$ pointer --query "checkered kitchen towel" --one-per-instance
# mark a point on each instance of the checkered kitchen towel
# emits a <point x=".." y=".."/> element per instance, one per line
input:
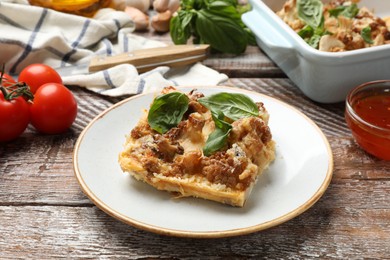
<point x="30" y="34"/>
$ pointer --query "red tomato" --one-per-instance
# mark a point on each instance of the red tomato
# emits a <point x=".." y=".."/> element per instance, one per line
<point x="54" y="109"/>
<point x="14" y="117"/>
<point x="7" y="80"/>
<point x="35" y="75"/>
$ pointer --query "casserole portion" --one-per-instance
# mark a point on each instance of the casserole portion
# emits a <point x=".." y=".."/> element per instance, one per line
<point x="176" y="160"/>
<point x="336" y="26"/>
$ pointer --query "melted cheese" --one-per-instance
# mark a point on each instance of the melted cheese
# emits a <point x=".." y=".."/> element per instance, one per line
<point x="175" y="161"/>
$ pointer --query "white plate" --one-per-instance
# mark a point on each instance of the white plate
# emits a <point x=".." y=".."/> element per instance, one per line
<point x="296" y="179"/>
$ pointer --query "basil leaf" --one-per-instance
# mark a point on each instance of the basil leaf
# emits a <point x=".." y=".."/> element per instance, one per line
<point x="366" y="35"/>
<point x="197" y="4"/>
<point x="214" y="22"/>
<point x="222" y="33"/>
<point x="223" y="105"/>
<point x="336" y="11"/>
<point x="314" y="41"/>
<point x="167" y="111"/>
<point x="192" y="4"/>
<point x="232" y="10"/>
<point x="306" y="32"/>
<point x="185" y="3"/>
<point x="232" y="105"/>
<point x="310" y="11"/>
<point x="313" y="36"/>
<point x="218" y="138"/>
<point x="349" y="11"/>
<point x="180" y="27"/>
<point x="224" y="8"/>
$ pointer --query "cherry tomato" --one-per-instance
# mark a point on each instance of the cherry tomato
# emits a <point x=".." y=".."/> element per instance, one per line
<point x="14" y="117"/>
<point x="7" y="80"/>
<point x="54" y="109"/>
<point x="35" y="75"/>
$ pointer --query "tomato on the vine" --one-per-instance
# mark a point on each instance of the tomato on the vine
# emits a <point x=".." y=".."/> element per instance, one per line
<point x="54" y="109"/>
<point x="35" y="75"/>
<point x="7" y="80"/>
<point x="14" y="109"/>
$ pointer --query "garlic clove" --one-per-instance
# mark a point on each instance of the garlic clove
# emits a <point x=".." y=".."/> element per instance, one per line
<point x="173" y="5"/>
<point x="160" y="22"/>
<point x="140" y="19"/>
<point x="160" y="5"/>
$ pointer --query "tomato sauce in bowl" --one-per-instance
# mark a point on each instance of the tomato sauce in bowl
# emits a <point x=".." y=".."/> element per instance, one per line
<point x="367" y="114"/>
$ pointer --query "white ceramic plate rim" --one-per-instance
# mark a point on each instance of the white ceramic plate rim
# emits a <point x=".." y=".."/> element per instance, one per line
<point x="204" y="233"/>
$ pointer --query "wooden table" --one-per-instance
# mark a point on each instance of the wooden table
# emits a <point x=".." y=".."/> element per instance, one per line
<point x="44" y="214"/>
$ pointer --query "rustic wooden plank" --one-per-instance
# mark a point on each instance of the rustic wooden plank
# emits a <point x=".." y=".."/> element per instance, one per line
<point x="252" y="64"/>
<point x="86" y="232"/>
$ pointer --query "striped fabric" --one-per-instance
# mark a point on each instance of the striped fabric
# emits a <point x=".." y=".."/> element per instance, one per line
<point x="30" y="34"/>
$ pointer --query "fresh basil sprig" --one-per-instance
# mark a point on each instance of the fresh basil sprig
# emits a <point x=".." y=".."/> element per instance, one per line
<point x="214" y="22"/>
<point x="167" y="111"/>
<point x="310" y="11"/>
<point x="218" y="138"/>
<point x="232" y="105"/>
<point x="223" y="105"/>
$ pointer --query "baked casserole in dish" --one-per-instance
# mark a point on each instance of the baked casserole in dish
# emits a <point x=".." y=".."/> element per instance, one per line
<point x="325" y="71"/>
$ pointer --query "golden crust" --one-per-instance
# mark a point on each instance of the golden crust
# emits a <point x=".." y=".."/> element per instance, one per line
<point x="194" y="187"/>
<point x="174" y="162"/>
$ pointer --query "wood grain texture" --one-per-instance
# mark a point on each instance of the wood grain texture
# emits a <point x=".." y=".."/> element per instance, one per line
<point x="49" y="180"/>
<point x="45" y="215"/>
<point x="251" y="64"/>
<point x="86" y="232"/>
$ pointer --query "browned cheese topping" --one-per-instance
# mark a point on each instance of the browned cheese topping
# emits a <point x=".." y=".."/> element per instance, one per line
<point x="178" y="152"/>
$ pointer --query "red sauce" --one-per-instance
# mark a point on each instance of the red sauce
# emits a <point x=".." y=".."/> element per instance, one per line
<point x="374" y="108"/>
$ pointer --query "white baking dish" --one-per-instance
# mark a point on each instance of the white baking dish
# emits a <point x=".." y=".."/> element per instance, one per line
<point x="322" y="76"/>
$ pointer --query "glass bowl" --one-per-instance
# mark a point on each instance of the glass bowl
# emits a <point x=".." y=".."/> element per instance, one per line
<point x="367" y="113"/>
